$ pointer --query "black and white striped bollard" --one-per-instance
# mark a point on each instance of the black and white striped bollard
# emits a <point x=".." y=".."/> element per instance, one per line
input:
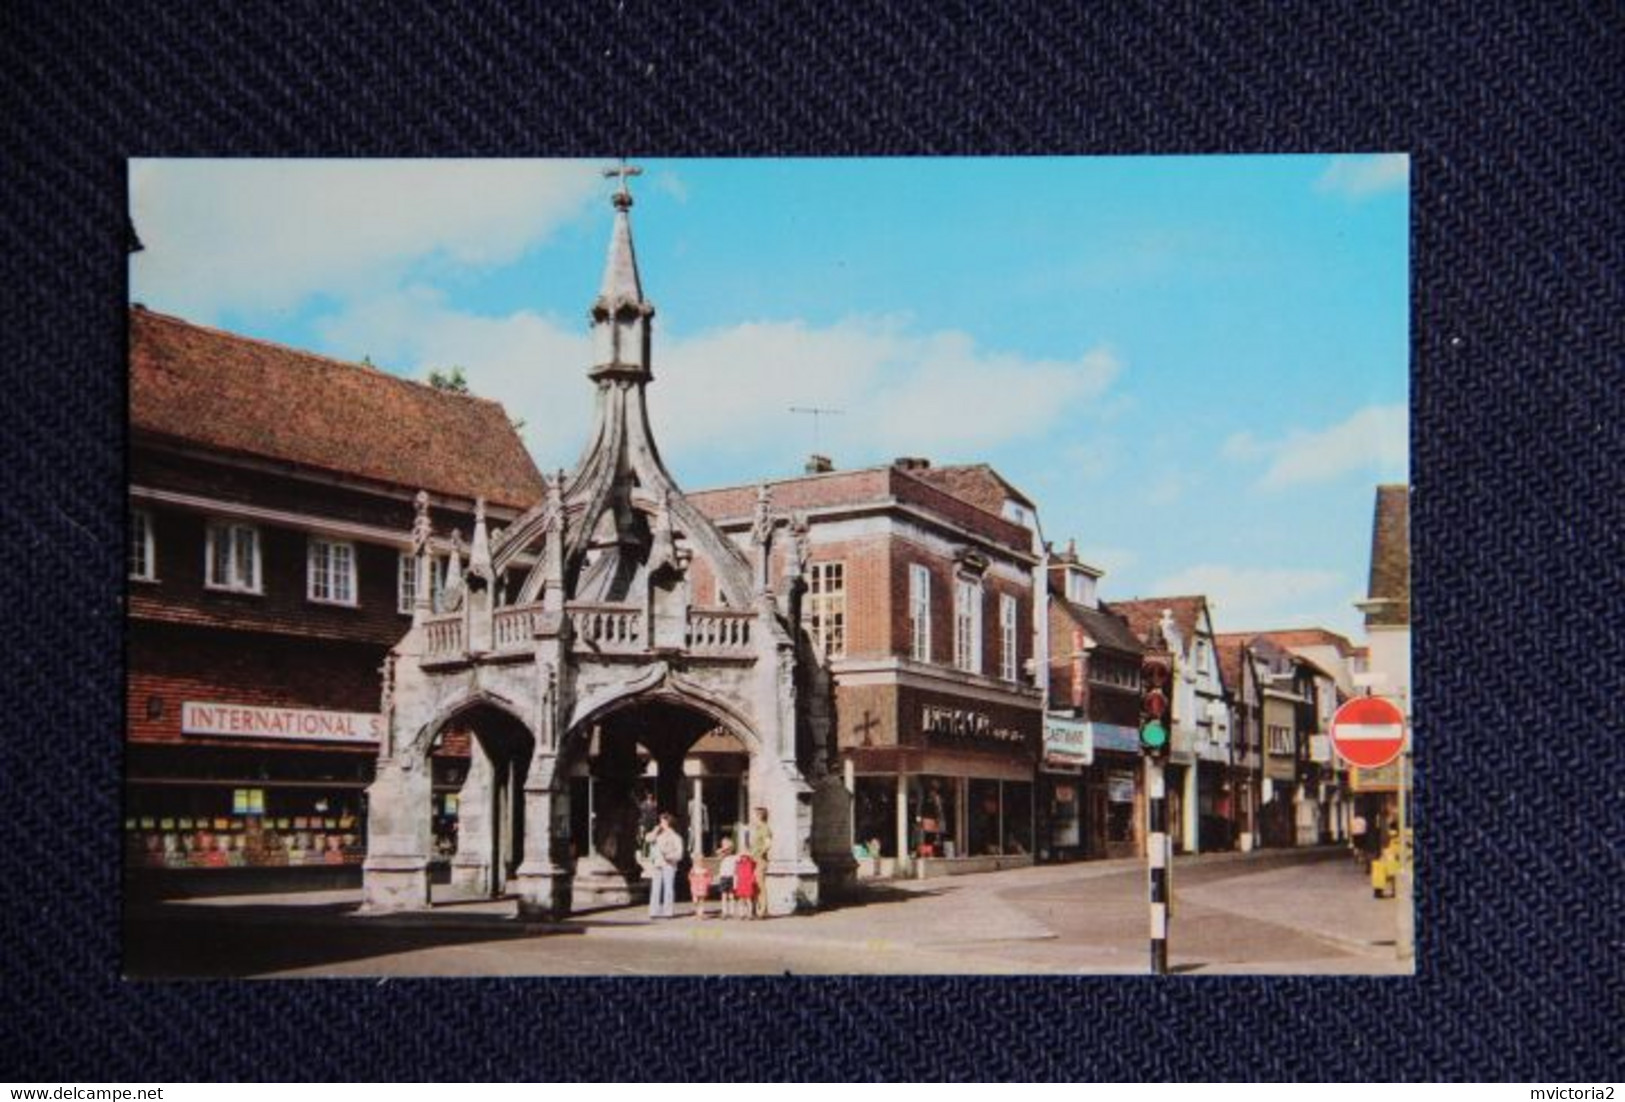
<point x="1156" y="859"/>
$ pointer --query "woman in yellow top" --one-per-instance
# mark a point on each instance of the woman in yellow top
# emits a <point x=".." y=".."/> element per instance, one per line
<point x="761" y="844"/>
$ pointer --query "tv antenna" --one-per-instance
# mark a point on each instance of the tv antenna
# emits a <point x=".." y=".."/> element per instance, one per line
<point x="816" y="412"/>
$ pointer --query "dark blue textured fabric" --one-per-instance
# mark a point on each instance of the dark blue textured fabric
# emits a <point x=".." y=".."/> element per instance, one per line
<point x="1512" y="115"/>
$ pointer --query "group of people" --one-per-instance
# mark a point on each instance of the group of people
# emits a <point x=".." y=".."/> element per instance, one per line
<point x="738" y="880"/>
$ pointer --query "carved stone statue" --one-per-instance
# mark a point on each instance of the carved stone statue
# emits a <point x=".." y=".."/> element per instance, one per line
<point x="421" y="530"/>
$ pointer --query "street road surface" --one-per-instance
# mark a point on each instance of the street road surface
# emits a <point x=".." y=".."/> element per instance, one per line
<point x="1286" y="912"/>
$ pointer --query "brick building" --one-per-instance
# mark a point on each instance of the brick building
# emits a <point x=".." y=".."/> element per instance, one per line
<point x="1089" y="798"/>
<point x="917" y="602"/>
<point x="271" y="503"/>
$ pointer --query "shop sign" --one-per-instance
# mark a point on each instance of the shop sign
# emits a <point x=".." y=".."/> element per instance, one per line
<point x="1120" y="786"/>
<point x="303" y="724"/>
<point x="1384" y="778"/>
<point x="1112" y="736"/>
<point x="1068" y="741"/>
<point x="963" y="723"/>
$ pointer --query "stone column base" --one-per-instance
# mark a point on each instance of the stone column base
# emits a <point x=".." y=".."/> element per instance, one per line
<point x="544" y="892"/>
<point x="791" y="886"/>
<point x="392" y="884"/>
<point x="837" y="875"/>
<point x="599" y="882"/>
<point x="470" y="875"/>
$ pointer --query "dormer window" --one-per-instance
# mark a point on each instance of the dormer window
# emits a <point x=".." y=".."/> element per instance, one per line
<point x="1080" y="588"/>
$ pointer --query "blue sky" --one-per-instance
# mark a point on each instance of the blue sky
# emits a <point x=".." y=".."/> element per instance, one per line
<point x="1197" y="366"/>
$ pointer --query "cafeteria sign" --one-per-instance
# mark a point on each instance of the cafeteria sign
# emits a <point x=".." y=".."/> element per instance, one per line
<point x="252" y="721"/>
<point x="1067" y="741"/>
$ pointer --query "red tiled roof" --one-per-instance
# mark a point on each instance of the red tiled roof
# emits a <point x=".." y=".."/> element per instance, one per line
<point x="1310" y="637"/>
<point x="1144" y="615"/>
<point x="865" y="484"/>
<point x="1229" y="649"/>
<point x="1103" y="627"/>
<point x="251" y="397"/>
<point x="976" y="483"/>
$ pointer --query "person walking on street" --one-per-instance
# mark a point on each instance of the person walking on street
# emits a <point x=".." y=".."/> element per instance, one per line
<point x="761" y="844"/>
<point x="665" y="854"/>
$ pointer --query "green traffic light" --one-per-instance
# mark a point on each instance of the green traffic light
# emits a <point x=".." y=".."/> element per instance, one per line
<point x="1153" y="736"/>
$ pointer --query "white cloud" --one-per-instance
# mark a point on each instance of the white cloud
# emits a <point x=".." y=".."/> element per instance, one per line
<point x="728" y="391"/>
<point x="1357" y="177"/>
<point x="1373" y="439"/>
<point x="1110" y="560"/>
<point x="1246" y="598"/>
<point x="266" y="236"/>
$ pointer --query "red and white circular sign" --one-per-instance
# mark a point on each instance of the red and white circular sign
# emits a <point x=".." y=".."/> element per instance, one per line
<point x="1368" y="731"/>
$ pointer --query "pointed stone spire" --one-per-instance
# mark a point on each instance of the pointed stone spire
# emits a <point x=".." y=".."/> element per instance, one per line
<point x="479" y="555"/>
<point x="451" y="593"/>
<point x="620" y="315"/>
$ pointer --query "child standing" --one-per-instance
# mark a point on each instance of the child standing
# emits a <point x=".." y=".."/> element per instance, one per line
<point x="727" y="869"/>
<point x="699" y="884"/>
<point x="745" y="885"/>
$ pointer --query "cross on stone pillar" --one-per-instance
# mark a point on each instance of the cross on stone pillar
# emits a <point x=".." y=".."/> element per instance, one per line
<point x="623" y="197"/>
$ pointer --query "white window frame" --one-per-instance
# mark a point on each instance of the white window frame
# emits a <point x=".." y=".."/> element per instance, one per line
<point x="919" y="611"/>
<point x="406" y="580"/>
<point x="968" y="624"/>
<point x="330" y="573"/>
<point x="825" y="604"/>
<point x="236" y="536"/>
<point x="141" y="529"/>
<point x="1007" y="636"/>
<point x="1279" y="738"/>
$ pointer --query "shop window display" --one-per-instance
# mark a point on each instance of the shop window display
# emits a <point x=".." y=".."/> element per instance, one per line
<point x="874" y="814"/>
<point x="982" y="818"/>
<point x="1018" y="817"/>
<point x="936" y="810"/>
<point x="1065" y="815"/>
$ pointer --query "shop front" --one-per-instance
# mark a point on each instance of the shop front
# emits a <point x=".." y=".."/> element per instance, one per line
<point x="953" y="793"/>
<point x="252" y="790"/>
<point x="1065" y="816"/>
<point x="1118" y="772"/>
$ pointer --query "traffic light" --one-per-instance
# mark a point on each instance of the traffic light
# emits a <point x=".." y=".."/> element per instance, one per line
<point x="1154" y="709"/>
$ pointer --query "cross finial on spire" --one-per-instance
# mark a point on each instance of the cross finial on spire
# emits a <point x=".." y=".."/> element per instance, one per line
<point x="623" y="197"/>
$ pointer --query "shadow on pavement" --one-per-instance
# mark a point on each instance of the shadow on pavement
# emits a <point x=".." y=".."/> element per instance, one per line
<point x="178" y="941"/>
<point x="870" y="894"/>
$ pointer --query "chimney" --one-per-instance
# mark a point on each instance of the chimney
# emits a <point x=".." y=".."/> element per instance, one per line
<point x="819" y="464"/>
<point x="911" y="463"/>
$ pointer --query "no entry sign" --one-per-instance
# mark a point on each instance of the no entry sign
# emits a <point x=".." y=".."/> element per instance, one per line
<point x="1368" y="732"/>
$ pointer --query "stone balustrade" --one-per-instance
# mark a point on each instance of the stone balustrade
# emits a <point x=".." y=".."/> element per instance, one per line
<point x="513" y="628"/>
<point x="443" y="636"/>
<point x="719" y="630"/>
<point x="607" y="628"/>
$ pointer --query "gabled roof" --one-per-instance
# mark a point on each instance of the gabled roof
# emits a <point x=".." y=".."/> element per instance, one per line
<point x="1144" y="616"/>
<point x="1389" y="594"/>
<point x="976" y="483"/>
<point x="1311" y="637"/>
<point x="1105" y="629"/>
<point x="1229" y="649"/>
<point x="202" y="386"/>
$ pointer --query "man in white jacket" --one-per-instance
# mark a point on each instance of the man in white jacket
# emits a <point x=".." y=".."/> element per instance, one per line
<point x="665" y="854"/>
